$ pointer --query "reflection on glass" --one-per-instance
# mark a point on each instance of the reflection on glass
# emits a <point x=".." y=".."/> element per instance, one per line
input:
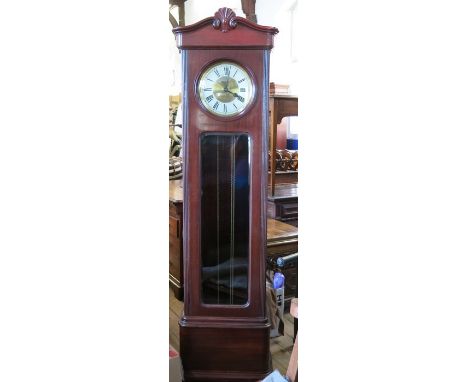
<point x="225" y="214"/>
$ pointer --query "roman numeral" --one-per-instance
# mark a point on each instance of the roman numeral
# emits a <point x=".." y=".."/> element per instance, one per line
<point x="227" y="70"/>
<point x="207" y="89"/>
<point x="241" y="89"/>
<point x="234" y="105"/>
<point x="242" y="80"/>
<point x="209" y="98"/>
<point x="242" y="99"/>
<point x="217" y="73"/>
<point x="235" y="72"/>
<point x="209" y="79"/>
<point x="215" y="106"/>
<point x="225" y="108"/>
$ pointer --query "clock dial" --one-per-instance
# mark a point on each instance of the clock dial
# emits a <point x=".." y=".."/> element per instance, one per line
<point x="226" y="89"/>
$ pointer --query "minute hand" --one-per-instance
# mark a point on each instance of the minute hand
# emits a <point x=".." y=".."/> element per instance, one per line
<point x="228" y="91"/>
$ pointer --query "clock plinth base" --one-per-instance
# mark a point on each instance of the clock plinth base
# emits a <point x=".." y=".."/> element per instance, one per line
<point x="225" y="351"/>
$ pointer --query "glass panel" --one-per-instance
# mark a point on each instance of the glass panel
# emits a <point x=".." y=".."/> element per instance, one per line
<point x="225" y="211"/>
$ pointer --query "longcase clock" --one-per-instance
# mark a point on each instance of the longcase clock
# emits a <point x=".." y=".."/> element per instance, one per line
<point x="224" y="330"/>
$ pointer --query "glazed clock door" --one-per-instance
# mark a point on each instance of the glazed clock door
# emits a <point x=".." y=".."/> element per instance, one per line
<point x="225" y="218"/>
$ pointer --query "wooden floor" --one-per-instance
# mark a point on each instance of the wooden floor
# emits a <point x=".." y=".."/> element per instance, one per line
<point x="280" y="347"/>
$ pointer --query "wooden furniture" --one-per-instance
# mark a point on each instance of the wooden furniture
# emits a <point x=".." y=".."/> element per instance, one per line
<point x="285" y="177"/>
<point x="248" y="7"/>
<point x="176" y="263"/>
<point x="180" y="4"/>
<point x="225" y="64"/>
<point x="284" y="204"/>
<point x="282" y="240"/>
<point x="280" y="106"/>
<point x="286" y="166"/>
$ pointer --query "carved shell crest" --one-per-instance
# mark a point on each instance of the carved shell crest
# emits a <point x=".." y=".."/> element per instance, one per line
<point x="225" y="20"/>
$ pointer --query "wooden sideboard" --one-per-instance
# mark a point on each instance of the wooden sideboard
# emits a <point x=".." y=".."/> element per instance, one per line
<point x="282" y="201"/>
<point x="176" y="254"/>
<point x="282" y="239"/>
<point x="281" y="106"/>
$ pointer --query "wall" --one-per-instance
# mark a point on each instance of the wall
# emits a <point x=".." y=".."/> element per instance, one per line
<point x="283" y="66"/>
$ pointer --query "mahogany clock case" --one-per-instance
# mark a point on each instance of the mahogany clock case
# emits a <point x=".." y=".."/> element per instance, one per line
<point x="225" y="339"/>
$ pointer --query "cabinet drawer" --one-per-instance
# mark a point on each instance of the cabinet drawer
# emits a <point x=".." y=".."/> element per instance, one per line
<point x="288" y="210"/>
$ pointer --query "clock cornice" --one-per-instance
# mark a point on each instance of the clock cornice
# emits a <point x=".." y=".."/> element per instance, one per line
<point x="225" y="30"/>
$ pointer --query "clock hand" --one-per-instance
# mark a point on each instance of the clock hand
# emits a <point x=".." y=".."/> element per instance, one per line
<point x="228" y="91"/>
<point x="226" y="88"/>
<point x="235" y="95"/>
<point x="226" y="85"/>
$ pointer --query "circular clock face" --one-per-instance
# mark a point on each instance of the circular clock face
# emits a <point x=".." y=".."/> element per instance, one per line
<point x="226" y="89"/>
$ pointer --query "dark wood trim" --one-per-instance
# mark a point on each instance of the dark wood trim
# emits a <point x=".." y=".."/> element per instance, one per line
<point x="239" y="21"/>
<point x="225" y="31"/>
